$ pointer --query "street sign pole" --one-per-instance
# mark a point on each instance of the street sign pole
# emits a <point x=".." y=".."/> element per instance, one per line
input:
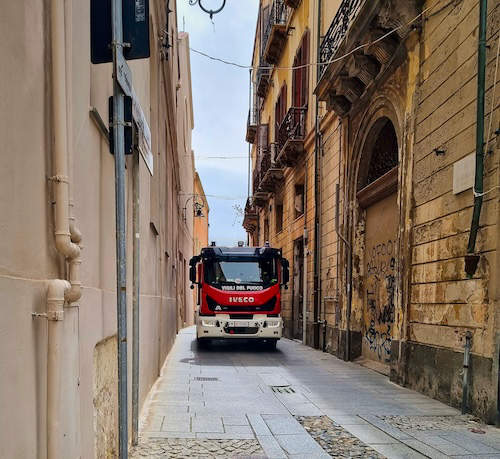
<point x="121" y="261"/>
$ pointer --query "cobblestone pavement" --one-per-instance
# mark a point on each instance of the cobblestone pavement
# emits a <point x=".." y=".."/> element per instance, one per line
<point x="190" y="448"/>
<point x="335" y="440"/>
<point x="241" y="400"/>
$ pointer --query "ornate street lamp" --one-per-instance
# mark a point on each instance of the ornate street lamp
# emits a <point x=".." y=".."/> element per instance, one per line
<point x="197" y="207"/>
<point x="205" y="9"/>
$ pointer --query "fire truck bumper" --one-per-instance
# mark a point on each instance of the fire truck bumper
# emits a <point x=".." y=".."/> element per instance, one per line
<point x="222" y="326"/>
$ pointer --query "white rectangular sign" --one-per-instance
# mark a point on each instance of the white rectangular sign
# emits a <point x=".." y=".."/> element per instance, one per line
<point x="124" y="75"/>
<point x="144" y="133"/>
<point x="464" y="172"/>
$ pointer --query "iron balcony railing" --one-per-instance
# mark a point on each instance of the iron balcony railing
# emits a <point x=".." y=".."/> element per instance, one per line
<point x="262" y="165"/>
<point x="346" y="14"/>
<point x="263" y="74"/>
<point x="293" y="126"/>
<point x="278" y="15"/>
<point x="253" y="116"/>
<point x="255" y="180"/>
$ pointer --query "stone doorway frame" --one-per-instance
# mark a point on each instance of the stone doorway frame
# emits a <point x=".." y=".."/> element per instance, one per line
<point x="387" y="104"/>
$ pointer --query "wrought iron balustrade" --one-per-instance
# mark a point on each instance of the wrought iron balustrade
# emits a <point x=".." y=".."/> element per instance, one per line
<point x="263" y="74"/>
<point x="255" y="180"/>
<point x="265" y="160"/>
<point x="278" y="15"/>
<point x="253" y="116"/>
<point x="263" y="163"/>
<point x="346" y="14"/>
<point x="293" y="126"/>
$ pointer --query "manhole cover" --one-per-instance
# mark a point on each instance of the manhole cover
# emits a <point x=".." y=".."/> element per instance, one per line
<point x="283" y="389"/>
<point x="201" y="378"/>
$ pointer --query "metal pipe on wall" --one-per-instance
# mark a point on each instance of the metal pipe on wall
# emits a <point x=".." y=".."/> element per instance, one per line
<point x="67" y="236"/>
<point x="317" y="202"/>
<point x="465" y="375"/>
<point x="135" y="296"/>
<point x="472" y="259"/>
<point x="304" y="277"/>
<point x="56" y="292"/>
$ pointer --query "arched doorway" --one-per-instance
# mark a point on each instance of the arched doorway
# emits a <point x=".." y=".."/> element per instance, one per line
<point x="377" y="185"/>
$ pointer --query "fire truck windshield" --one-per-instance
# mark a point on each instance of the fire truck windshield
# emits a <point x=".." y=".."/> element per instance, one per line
<point x="241" y="272"/>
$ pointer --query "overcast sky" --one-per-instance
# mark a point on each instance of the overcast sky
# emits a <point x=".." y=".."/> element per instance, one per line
<point x="220" y="98"/>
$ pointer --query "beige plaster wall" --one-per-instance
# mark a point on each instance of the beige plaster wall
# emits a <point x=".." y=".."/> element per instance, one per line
<point x="28" y="256"/>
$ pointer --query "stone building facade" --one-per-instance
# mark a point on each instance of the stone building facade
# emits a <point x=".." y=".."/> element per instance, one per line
<point x="53" y="99"/>
<point x="391" y="191"/>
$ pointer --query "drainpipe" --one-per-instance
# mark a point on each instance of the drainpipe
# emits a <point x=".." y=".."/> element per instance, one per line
<point x="348" y="272"/>
<point x="67" y="236"/>
<point x="56" y="293"/>
<point x="472" y="258"/>
<point x="75" y="235"/>
<point x="304" y="279"/>
<point x="63" y="239"/>
<point x="317" y="206"/>
<point x="465" y="381"/>
<point x="304" y="262"/>
<point x="135" y="297"/>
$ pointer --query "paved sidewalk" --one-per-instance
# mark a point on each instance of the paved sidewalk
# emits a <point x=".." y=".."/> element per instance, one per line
<point x="242" y="400"/>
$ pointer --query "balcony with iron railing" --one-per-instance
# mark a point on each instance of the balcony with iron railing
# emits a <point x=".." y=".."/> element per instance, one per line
<point x="291" y="136"/>
<point x="251" y="218"/>
<point x="252" y="123"/>
<point x="275" y="32"/>
<point x="342" y="82"/>
<point x="267" y="174"/>
<point x="263" y="78"/>
<point x="272" y="171"/>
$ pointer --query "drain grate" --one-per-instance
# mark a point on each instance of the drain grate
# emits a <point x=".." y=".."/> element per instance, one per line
<point x="201" y="378"/>
<point x="283" y="389"/>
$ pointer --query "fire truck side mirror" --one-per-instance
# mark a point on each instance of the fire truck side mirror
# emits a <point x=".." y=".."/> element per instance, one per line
<point x="192" y="270"/>
<point x="192" y="274"/>
<point x="286" y="271"/>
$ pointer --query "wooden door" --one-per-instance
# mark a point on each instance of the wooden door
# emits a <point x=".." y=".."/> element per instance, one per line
<point x="380" y="286"/>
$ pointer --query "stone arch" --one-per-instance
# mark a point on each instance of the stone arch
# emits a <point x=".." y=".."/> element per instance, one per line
<point x="383" y="107"/>
<point x="380" y="153"/>
<point x="373" y="190"/>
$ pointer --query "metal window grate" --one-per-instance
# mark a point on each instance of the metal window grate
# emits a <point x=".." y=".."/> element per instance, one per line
<point x="283" y="389"/>
<point x="202" y="378"/>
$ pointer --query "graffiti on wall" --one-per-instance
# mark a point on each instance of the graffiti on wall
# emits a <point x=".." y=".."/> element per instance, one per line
<point x="380" y="289"/>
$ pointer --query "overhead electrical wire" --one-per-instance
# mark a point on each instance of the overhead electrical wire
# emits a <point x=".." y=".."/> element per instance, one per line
<point x="221" y="157"/>
<point x="331" y="61"/>
<point x="216" y="196"/>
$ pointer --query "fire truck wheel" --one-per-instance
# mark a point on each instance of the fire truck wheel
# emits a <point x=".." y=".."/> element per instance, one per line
<point x="202" y="342"/>
<point x="271" y="344"/>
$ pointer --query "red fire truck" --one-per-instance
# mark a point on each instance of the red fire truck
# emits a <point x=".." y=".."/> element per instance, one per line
<point x="239" y="293"/>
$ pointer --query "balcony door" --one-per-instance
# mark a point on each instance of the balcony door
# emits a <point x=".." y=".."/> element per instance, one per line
<point x="280" y="111"/>
<point x="300" y="83"/>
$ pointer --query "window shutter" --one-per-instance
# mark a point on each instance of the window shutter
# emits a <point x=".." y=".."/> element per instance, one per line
<point x="305" y="70"/>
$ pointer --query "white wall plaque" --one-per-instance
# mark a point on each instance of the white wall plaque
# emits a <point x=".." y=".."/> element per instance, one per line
<point x="463" y="173"/>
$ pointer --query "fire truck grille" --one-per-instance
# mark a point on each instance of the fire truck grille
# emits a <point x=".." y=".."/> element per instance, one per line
<point x="214" y="306"/>
<point x="242" y="330"/>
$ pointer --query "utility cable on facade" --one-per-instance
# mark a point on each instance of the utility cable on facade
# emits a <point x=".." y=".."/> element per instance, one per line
<point x="337" y="59"/>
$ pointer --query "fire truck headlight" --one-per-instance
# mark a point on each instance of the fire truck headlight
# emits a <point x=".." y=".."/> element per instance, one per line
<point x="271" y="324"/>
<point x="208" y="323"/>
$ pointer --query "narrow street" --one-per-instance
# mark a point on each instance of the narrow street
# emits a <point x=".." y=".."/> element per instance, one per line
<point x="243" y="400"/>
